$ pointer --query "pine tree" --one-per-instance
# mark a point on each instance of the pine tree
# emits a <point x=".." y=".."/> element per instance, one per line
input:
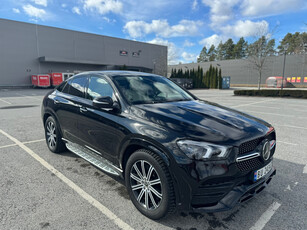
<point x="229" y="49"/>
<point x="220" y="79"/>
<point x="212" y="53"/>
<point x="203" y="56"/>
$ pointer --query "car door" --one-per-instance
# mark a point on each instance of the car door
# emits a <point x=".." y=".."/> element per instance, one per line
<point x="99" y="128"/>
<point x="68" y="103"/>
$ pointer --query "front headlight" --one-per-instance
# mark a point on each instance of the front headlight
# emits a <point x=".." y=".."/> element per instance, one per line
<point x="203" y="150"/>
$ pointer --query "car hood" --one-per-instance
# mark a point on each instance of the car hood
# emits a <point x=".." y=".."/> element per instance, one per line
<point x="203" y="120"/>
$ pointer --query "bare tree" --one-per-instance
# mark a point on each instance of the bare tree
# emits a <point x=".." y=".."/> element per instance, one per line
<point x="258" y="51"/>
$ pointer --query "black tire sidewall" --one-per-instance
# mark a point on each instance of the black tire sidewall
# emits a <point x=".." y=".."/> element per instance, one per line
<point x="58" y="145"/>
<point x="162" y="210"/>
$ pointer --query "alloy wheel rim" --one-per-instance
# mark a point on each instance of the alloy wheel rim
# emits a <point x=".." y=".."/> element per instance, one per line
<point x="51" y="135"/>
<point x="146" y="185"/>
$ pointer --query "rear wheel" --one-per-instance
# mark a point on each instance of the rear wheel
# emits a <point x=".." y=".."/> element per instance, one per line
<point x="149" y="184"/>
<point x="53" y="136"/>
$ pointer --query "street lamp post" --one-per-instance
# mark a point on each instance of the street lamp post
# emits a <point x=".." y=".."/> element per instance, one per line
<point x="283" y="70"/>
<point x="218" y="78"/>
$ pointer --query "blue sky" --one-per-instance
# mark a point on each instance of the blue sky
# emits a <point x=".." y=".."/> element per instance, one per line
<point x="184" y="26"/>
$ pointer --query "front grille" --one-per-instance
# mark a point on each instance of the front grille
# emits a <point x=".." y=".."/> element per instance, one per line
<point x="252" y="144"/>
<point x="249" y="146"/>
<point x="249" y="165"/>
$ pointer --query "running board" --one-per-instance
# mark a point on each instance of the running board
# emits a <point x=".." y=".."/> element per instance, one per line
<point x="93" y="158"/>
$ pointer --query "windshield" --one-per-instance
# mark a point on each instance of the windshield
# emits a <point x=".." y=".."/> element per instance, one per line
<point x="149" y="89"/>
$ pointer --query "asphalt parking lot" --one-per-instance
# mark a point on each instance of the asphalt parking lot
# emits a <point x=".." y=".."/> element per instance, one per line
<point x="42" y="190"/>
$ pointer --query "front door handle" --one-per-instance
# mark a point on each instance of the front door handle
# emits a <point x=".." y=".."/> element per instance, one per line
<point x="83" y="109"/>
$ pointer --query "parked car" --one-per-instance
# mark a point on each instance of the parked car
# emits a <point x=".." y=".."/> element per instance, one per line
<point x="276" y="82"/>
<point x="170" y="149"/>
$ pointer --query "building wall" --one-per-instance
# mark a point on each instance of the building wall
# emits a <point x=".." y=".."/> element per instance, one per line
<point x="243" y="72"/>
<point x="22" y="44"/>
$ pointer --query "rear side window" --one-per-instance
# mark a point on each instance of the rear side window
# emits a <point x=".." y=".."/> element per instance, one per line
<point x="76" y="86"/>
<point x="99" y="87"/>
<point x="61" y="86"/>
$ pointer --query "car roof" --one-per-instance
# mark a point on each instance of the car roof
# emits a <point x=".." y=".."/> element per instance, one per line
<point x="112" y="73"/>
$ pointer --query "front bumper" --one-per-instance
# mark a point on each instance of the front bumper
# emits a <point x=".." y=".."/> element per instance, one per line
<point x="238" y="195"/>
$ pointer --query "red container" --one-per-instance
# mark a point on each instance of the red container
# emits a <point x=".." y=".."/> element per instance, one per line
<point x="41" y="80"/>
<point x="56" y="78"/>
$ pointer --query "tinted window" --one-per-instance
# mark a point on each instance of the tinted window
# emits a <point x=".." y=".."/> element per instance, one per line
<point x="66" y="87"/>
<point x="61" y="86"/>
<point x="76" y="86"/>
<point x="99" y="87"/>
<point x="149" y="89"/>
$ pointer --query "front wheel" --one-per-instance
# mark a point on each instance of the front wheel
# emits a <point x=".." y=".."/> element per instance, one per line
<point x="53" y="136"/>
<point x="149" y="184"/>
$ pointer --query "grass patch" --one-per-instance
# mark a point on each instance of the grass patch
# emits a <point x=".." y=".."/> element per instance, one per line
<point x="272" y="93"/>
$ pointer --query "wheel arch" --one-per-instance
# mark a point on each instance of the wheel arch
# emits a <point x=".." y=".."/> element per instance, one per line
<point x="135" y="144"/>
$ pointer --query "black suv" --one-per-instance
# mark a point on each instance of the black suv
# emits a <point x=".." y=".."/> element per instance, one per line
<point x="171" y="149"/>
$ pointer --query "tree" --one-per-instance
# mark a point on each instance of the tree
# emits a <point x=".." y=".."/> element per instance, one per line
<point x="229" y="49"/>
<point x="258" y="53"/>
<point x="239" y="50"/>
<point x="212" y="53"/>
<point x="203" y="56"/>
<point x="293" y="43"/>
<point x="220" y="52"/>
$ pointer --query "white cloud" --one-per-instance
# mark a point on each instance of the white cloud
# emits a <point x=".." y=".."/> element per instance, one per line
<point x="260" y="8"/>
<point x="220" y="10"/>
<point x="173" y="53"/>
<point x="187" y="43"/>
<point x="15" y="10"/>
<point x="76" y="10"/>
<point x="40" y="2"/>
<point x="246" y="28"/>
<point x="34" y="12"/>
<point x="63" y="5"/>
<point x="212" y="40"/>
<point x="162" y="28"/>
<point x="189" y="57"/>
<point x="103" y="6"/>
<point x="195" y="5"/>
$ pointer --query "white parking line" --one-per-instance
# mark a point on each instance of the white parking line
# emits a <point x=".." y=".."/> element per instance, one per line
<point x="287" y="143"/>
<point x="104" y="210"/>
<point x="275" y="114"/>
<point x="5" y="101"/>
<point x="29" y="96"/>
<point x="266" y="216"/>
<point x="254" y="103"/>
<point x="34" y="141"/>
<point x="292" y="126"/>
<point x="27" y="142"/>
<point x="305" y="169"/>
<point x="6" y="146"/>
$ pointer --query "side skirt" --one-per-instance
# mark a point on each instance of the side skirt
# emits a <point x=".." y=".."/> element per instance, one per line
<point x="93" y="158"/>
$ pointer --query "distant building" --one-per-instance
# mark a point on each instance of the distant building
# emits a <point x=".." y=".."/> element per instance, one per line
<point x="27" y="49"/>
<point x="243" y="73"/>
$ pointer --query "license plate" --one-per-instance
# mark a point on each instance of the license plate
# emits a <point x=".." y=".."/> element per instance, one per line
<point x="263" y="171"/>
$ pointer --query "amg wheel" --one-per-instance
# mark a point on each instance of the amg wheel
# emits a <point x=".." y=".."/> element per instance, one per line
<point x="53" y="136"/>
<point x="149" y="184"/>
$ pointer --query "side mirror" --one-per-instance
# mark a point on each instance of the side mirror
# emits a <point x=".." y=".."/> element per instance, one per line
<point x="105" y="103"/>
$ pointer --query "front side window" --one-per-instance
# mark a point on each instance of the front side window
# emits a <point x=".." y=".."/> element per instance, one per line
<point x="99" y="87"/>
<point x="149" y="89"/>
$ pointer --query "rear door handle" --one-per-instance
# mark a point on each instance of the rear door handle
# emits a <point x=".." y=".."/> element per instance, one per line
<point x="83" y="109"/>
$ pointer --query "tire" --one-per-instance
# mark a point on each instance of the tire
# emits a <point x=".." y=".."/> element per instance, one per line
<point x="157" y="187"/>
<point x="53" y="136"/>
